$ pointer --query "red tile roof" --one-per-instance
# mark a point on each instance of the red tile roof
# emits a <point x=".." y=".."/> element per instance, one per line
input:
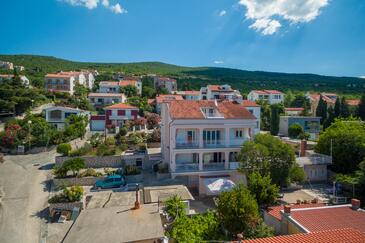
<point x="120" y="106"/>
<point x="294" y="109"/>
<point x="106" y="95"/>
<point x="267" y="92"/>
<point x="166" y="79"/>
<point x="189" y="92"/>
<point x="353" y="102"/>
<point x="109" y="83"/>
<point x="275" y="210"/>
<point x="58" y="75"/>
<point x="249" y="103"/>
<point x="123" y="83"/>
<point x="168" y="97"/>
<point x="218" y="88"/>
<point x="346" y="235"/>
<point x="330" y="217"/>
<point x="191" y="109"/>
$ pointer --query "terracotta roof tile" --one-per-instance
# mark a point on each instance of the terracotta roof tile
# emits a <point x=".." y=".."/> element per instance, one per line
<point x="275" y="210"/>
<point x="120" y="106"/>
<point x="191" y="109"/>
<point x="345" y="235"/>
<point x="108" y="83"/>
<point x="249" y="103"/>
<point x="331" y="217"/>
<point x="106" y="95"/>
<point x="168" y="97"/>
<point x="267" y="92"/>
<point x="132" y="82"/>
<point x="353" y="102"/>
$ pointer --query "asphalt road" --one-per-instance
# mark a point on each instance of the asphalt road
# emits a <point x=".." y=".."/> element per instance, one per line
<point x="23" y="197"/>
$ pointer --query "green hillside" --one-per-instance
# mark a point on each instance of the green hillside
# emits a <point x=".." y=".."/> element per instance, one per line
<point x="195" y="77"/>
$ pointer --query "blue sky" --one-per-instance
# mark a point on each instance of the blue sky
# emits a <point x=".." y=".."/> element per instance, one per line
<point x="305" y="36"/>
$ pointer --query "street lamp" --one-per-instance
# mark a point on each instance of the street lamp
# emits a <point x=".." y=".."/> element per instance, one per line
<point x="29" y="123"/>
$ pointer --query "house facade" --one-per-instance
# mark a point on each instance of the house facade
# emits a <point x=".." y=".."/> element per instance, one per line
<point x="271" y="96"/>
<point x="294" y="111"/>
<point x="115" y="115"/>
<point x="165" y="98"/>
<point x="309" y="124"/>
<point x="220" y="92"/>
<point x="189" y="94"/>
<point x="168" y="83"/>
<point x="203" y="138"/>
<point x="132" y="82"/>
<point x="102" y="99"/>
<point x="23" y="78"/>
<point x="66" y="81"/>
<point x="115" y="86"/>
<point x="57" y="115"/>
<point x="329" y="98"/>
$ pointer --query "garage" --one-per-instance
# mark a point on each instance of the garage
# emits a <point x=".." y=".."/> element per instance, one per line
<point x="97" y="123"/>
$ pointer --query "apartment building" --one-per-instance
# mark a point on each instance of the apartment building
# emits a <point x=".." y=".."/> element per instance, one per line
<point x="6" y="65"/>
<point x="220" y="92"/>
<point x="57" y="115"/>
<point x="66" y="81"/>
<point x="165" y="98"/>
<point x="168" y="83"/>
<point x="102" y="99"/>
<point x="201" y="139"/>
<point x="23" y="78"/>
<point x="271" y="96"/>
<point x="115" y="86"/>
<point x="189" y="94"/>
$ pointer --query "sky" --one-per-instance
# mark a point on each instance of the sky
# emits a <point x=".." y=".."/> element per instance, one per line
<point x="296" y="36"/>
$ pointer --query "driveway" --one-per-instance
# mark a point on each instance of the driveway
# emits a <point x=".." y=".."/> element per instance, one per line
<point x="23" y="197"/>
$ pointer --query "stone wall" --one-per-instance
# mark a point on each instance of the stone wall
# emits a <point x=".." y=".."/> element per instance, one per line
<point x="95" y="161"/>
<point x="76" y="181"/>
<point x="66" y="206"/>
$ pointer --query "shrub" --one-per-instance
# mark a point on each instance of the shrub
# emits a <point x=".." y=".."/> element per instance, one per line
<point x="131" y="170"/>
<point x="109" y="171"/>
<point x="154" y="137"/>
<point x="123" y="131"/>
<point x="64" y="149"/>
<point x="90" y="172"/>
<point x="123" y="147"/>
<point x="295" y="130"/>
<point x="104" y="150"/>
<point x="73" y="193"/>
<point x="96" y="139"/>
<point x="110" y="141"/>
<point x="163" y="168"/>
<point x="75" y="165"/>
<point x="142" y="147"/>
<point x="175" y="207"/>
<point x="59" y="171"/>
<point x="81" y="151"/>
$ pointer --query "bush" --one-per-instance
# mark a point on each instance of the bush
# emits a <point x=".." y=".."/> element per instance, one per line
<point x="123" y="131"/>
<point x="131" y="170"/>
<point x="163" y="168"/>
<point x="75" y="165"/>
<point x="104" y="150"/>
<point x="110" y="141"/>
<point x="109" y="171"/>
<point x="81" y="151"/>
<point x="90" y="172"/>
<point x="72" y="194"/>
<point x="295" y="130"/>
<point x="175" y="207"/>
<point x="123" y="147"/>
<point x="59" y="171"/>
<point x="154" y="137"/>
<point x="142" y="147"/>
<point x="96" y="139"/>
<point x="64" y="149"/>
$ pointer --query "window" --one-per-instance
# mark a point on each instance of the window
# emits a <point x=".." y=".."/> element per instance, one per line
<point x="239" y="134"/>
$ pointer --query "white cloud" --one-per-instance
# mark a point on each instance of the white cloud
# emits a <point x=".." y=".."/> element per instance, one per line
<point x="267" y="13"/>
<point x="91" y="4"/>
<point x="222" y="13"/>
<point x="362" y="77"/>
<point x="218" y="62"/>
<point x="118" y="9"/>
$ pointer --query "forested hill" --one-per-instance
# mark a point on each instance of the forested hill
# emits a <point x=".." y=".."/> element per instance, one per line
<point x="195" y="77"/>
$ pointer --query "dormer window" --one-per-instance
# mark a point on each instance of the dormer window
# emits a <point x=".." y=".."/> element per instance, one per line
<point x="211" y="112"/>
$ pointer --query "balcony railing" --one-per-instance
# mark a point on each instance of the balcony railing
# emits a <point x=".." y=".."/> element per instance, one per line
<point x="237" y="142"/>
<point x="214" y="144"/>
<point x="213" y="166"/>
<point x="184" y="144"/>
<point x="187" y="167"/>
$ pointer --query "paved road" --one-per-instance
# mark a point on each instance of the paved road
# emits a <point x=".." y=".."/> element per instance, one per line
<point x="23" y="197"/>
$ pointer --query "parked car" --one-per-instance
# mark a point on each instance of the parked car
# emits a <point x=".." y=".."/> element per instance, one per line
<point x="111" y="181"/>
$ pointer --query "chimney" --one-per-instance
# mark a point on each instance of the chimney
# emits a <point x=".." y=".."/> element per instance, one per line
<point x="287" y="209"/>
<point x="355" y="204"/>
<point x="303" y="148"/>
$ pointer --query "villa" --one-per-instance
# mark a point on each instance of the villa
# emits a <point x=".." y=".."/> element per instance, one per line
<point x="271" y="96"/>
<point x="220" y="92"/>
<point x="169" y="84"/>
<point x="57" y="115"/>
<point x="102" y="99"/>
<point x="201" y="139"/>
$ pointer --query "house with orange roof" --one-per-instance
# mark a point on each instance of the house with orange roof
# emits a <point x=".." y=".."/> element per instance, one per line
<point x="115" y="86"/>
<point x="271" y="96"/>
<point x="314" y="98"/>
<point x="66" y="81"/>
<point x="200" y="140"/>
<point x="102" y="99"/>
<point x="169" y="84"/>
<point x="189" y="94"/>
<point x="220" y="92"/>
<point x="115" y="116"/>
<point x="165" y="98"/>
<point x="23" y="78"/>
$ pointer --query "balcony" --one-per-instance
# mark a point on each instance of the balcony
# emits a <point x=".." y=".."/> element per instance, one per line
<point x="187" y="167"/>
<point x="237" y="142"/>
<point x="213" y="166"/>
<point x="214" y="144"/>
<point x="185" y="144"/>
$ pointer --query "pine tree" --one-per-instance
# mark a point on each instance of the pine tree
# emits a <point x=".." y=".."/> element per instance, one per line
<point x="337" y="108"/>
<point x="361" y="108"/>
<point x="322" y="109"/>
<point x="345" y="111"/>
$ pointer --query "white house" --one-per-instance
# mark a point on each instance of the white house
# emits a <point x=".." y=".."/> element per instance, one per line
<point x="189" y="94"/>
<point x="220" y="92"/>
<point x="201" y="139"/>
<point x="23" y="78"/>
<point x="165" y="98"/>
<point x="66" y="81"/>
<point x="271" y="96"/>
<point x="102" y="99"/>
<point x="115" y="86"/>
<point x="6" y="65"/>
<point x="56" y="115"/>
<point x="168" y="83"/>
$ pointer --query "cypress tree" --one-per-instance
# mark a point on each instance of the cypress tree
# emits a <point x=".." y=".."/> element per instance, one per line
<point x="345" y="111"/>
<point x="322" y="109"/>
<point x="275" y="119"/>
<point x="331" y="117"/>
<point x="337" y="107"/>
<point x="361" y="108"/>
